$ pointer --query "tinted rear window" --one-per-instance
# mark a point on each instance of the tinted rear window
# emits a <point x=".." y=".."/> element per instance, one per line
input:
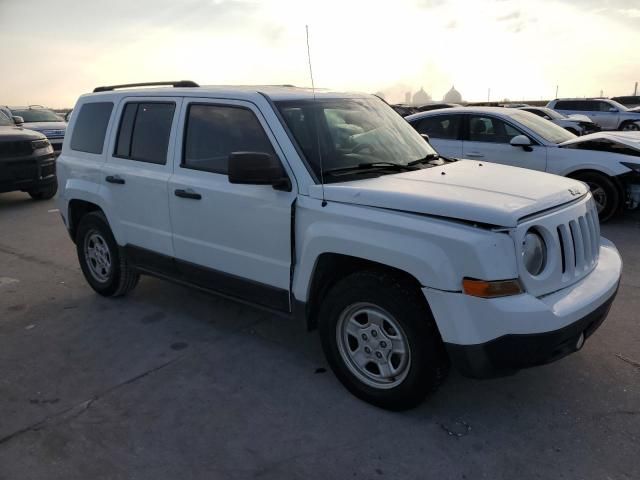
<point x="144" y="132"/>
<point x="90" y="127"/>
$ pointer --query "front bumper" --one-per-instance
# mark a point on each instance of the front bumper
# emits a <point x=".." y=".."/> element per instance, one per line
<point x="493" y="337"/>
<point x="28" y="173"/>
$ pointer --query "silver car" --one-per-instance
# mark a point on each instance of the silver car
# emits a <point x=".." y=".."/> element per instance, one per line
<point x="41" y="120"/>
<point x="608" y="114"/>
<point x="576" y="124"/>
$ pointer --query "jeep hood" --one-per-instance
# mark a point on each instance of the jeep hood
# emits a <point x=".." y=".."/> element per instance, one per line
<point x="467" y="190"/>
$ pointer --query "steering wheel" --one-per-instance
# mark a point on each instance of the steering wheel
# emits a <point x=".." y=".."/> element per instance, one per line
<point x="363" y="146"/>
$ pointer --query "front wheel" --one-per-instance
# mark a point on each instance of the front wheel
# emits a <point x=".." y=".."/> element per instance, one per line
<point x="604" y="191"/>
<point x="381" y="341"/>
<point x="46" y="193"/>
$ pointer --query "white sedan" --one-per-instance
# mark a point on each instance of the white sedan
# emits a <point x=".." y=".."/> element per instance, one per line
<point x="609" y="162"/>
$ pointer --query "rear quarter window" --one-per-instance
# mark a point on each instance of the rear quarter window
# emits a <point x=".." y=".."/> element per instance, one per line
<point x="90" y="127"/>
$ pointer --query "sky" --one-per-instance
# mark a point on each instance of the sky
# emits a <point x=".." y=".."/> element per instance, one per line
<point x="52" y="52"/>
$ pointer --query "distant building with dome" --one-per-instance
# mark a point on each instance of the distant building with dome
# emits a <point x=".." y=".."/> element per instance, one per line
<point x="421" y="97"/>
<point x="452" y="96"/>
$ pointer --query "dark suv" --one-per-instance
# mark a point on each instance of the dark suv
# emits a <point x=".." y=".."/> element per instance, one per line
<point x="27" y="161"/>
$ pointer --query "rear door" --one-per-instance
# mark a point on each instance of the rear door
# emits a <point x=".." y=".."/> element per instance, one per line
<point x="444" y="133"/>
<point x="137" y="171"/>
<point x="604" y="114"/>
<point x="232" y="238"/>
<point x="488" y="138"/>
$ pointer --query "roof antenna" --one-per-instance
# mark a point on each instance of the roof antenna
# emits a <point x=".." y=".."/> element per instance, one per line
<point x="313" y="90"/>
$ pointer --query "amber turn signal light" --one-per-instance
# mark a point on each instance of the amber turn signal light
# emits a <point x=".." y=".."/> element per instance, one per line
<point x="484" y="289"/>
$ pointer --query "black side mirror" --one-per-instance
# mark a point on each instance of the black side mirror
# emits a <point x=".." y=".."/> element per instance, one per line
<point x="257" y="168"/>
<point x="426" y="137"/>
<point x="17" y="120"/>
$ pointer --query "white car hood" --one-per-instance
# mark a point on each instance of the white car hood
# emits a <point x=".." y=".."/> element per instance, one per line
<point x="631" y="139"/>
<point x="579" y="117"/>
<point x="486" y="193"/>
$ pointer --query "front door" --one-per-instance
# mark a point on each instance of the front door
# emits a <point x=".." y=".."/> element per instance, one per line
<point x="232" y="238"/>
<point x="488" y="139"/>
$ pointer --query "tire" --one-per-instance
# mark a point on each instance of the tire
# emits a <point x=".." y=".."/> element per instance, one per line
<point x="604" y="191"/>
<point x="371" y="301"/>
<point x="104" y="266"/>
<point x="630" y="127"/>
<point x="45" y="194"/>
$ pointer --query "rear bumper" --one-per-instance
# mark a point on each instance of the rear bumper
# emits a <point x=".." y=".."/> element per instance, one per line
<point x="26" y="174"/>
<point x="493" y="337"/>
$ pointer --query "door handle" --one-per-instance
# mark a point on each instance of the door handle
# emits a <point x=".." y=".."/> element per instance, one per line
<point x="115" y="179"/>
<point x="475" y="155"/>
<point x="187" y="194"/>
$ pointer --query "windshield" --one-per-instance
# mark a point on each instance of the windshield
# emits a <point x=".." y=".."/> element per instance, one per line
<point x="37" y="115"/>
<point x="544" y="128"/>
<point x="4" y="120"/>
<point x="349" y="132"/>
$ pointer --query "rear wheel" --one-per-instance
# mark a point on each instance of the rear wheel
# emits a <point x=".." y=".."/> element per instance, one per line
<point x="45" y="193"/>
<point x="103" y="265"/>
<point x="381" y="341"/>
<point x="630" y="127"/>
<point x="604" y="191"/>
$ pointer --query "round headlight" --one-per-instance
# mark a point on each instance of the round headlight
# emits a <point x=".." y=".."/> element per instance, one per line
<point x="534" y="252"/>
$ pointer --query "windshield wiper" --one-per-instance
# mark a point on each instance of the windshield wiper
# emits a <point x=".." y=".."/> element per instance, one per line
<point x="427" y="158"/>
<point x="399" y="167"/>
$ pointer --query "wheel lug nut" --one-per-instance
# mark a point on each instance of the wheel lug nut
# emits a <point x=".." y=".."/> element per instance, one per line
<point x="383" y="344"/>
<point x="364" y="337"/>
<point x="374" y="333"/>
<point x="367" y="350"/>
<point x="378" y="354"/>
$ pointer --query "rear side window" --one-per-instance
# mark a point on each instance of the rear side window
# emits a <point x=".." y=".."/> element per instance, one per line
<point x="213" y="132"/>
<point x="440" y="126"/>
<point x="91" y="127"/>
<point x="580" y="105"/>
<point x="144" y="132"/>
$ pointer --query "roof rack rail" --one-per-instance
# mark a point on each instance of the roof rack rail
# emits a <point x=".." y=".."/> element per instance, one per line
<point x="175" y="84"/>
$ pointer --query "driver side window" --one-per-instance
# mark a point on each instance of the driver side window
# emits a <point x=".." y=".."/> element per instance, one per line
<point x="490" y="130"/>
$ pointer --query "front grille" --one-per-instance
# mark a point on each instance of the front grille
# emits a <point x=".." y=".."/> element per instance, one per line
<point x="15" y="148"/>
<point x="58" y="133"/>
<point x="579" y="243"/>
<point x="572" y="238"/>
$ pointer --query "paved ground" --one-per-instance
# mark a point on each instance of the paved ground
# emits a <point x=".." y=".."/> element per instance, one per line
<point x="170" y="383"/>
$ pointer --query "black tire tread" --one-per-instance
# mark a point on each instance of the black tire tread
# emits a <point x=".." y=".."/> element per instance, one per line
<point x="126" y="278"/>
<point x="406" y="294"/>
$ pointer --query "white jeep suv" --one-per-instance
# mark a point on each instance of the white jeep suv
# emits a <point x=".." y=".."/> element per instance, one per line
<point x="332" y="209"/>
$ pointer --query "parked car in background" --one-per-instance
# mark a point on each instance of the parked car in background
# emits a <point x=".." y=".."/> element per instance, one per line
<point x="44" y="121"/>
<point x="27" y="162"/>
<point x="608" y="114"/>
<point x="576" y="124"/>
<point x="629" y="101"/>
<point x="328" y="208"/>
<point x="608" y="162"/>
<point x="436" y="106"/>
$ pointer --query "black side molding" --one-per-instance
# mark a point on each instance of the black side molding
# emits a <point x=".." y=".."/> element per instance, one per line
<point x="175" y="84"/>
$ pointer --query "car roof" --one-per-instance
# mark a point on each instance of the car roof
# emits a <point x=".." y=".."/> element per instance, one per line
<point x="239" y="92"/>
<point x="498" y="111"/>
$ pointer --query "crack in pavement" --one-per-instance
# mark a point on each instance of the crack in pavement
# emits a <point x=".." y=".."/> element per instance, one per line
<point x="86" y="404"/>
<point x="32" y="258"/>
